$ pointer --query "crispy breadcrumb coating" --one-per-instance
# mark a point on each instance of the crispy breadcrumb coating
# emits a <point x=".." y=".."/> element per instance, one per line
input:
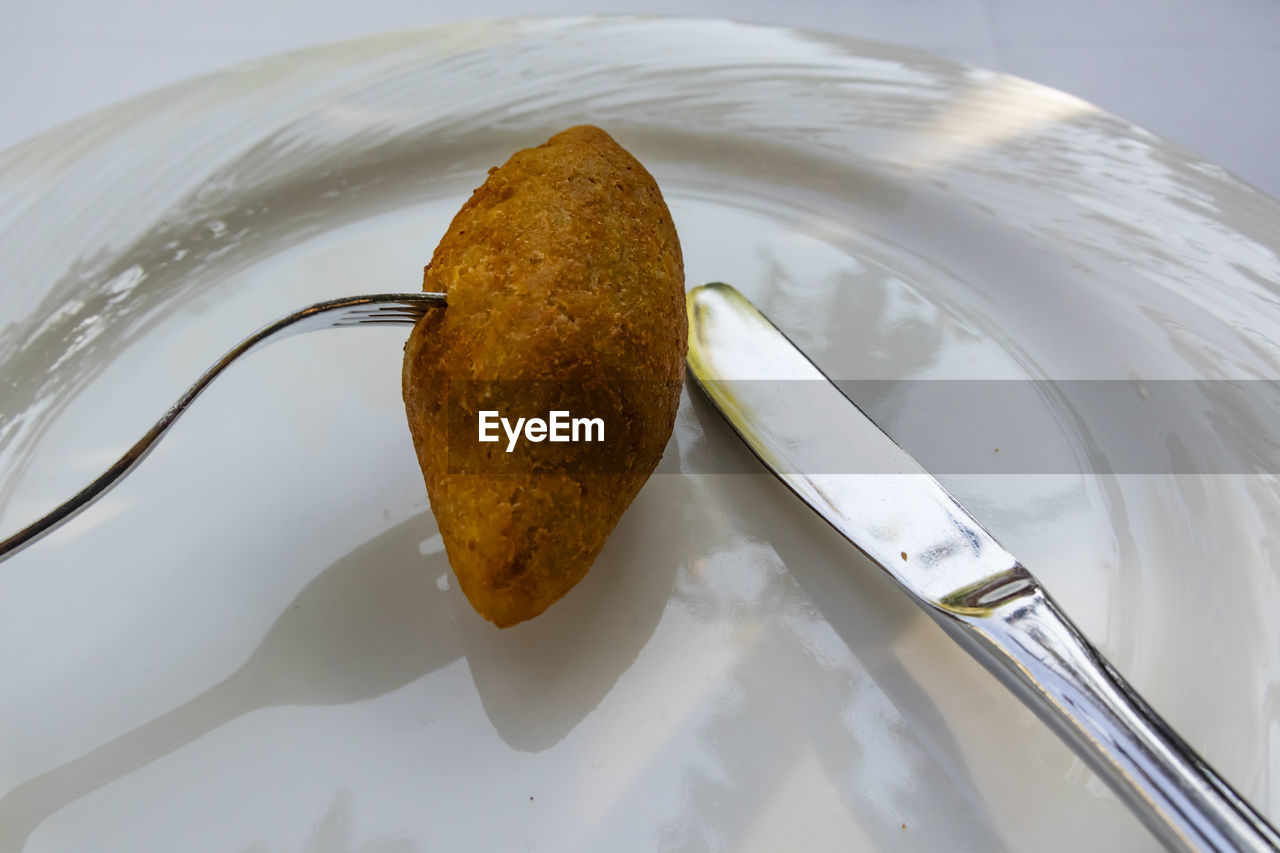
<point x="566" y="283"/>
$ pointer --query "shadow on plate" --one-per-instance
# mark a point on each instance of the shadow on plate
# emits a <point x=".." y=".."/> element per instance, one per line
<point x="375" y="621"/>
<point x="538" y="679"/>
<point x="370" y="623"/>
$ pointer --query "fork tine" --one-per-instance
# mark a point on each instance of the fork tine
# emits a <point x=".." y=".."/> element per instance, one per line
<point x="388" y="310"/>
<point x="398" y="317"/>
<point x="365" y="318"/>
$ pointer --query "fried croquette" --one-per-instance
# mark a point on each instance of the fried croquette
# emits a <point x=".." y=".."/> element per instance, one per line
<point x="565" y="287"/>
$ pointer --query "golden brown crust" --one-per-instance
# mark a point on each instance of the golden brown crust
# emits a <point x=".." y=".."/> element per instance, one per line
<point x="564" y="267"/>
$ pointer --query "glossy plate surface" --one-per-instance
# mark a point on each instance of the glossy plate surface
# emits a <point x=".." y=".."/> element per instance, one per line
<point x="254" y="642"/>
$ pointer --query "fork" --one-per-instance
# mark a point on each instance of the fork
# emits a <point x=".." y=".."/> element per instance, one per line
<point x="378" y="309"/>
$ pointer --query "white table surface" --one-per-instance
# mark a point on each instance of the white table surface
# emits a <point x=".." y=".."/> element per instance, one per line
<point x="1206" y="75"/>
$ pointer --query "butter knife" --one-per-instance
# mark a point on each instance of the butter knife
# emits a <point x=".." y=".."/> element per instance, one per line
<point x="802" y="426"/>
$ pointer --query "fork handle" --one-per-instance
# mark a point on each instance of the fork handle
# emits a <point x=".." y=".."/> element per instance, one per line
<point x="1031" y="646"/>
<point x="90" y="494"/>
<point x="380" y="308"/>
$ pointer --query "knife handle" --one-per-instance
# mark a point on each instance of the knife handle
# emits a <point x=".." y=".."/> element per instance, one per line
<point x="1034" y="649"/>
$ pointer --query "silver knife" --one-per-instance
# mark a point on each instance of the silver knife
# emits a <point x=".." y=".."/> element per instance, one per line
<point x="801" y="425"/>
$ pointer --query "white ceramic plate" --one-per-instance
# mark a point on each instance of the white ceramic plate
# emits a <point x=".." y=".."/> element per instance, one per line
<point x="254" y="644"/>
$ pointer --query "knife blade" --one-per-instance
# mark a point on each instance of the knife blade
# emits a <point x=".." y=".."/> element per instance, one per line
<point x="833" y="457"/>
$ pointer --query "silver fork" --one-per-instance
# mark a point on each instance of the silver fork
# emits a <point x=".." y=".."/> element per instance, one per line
<point x="374" y="310"/>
